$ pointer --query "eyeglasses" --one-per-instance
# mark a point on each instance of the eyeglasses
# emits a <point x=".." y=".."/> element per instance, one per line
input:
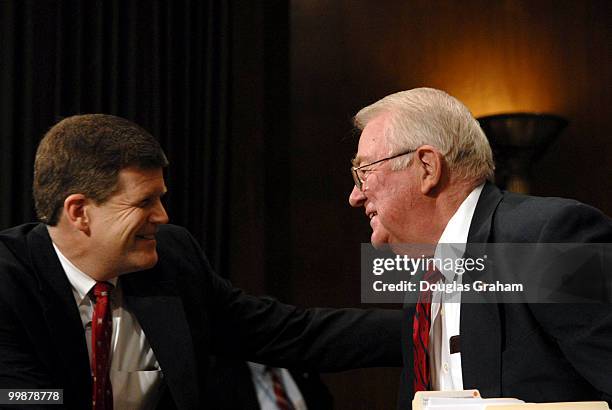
<point x="360" y="179"/>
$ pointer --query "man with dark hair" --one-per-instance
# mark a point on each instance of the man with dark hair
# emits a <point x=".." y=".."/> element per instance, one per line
<point x="121" y="310"/>
<point x="87" y="152"/>
<point x="420" y="174"/>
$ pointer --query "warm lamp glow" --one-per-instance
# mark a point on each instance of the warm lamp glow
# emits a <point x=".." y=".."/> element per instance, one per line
<point x="497" y="91"/>
<point x="499" y="74"/>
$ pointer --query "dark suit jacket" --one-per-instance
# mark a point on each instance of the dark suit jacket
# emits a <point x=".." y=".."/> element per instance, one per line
<point x="231" y="387"/>
<point x="185" y="310"/>
<point x="534" y="352"/>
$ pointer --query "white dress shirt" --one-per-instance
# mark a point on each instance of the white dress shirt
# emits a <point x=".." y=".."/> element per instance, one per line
<point x="265" y="388"/>
<point x="447" y="375"/>
<point x="135" y="374"/>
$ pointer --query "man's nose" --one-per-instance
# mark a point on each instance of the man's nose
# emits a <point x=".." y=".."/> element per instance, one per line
<point x="159" y="215"/>
<point x="357" y="197"/>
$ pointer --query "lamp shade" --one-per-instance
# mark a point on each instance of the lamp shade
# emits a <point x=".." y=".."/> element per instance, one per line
<point x="518" y="140"/>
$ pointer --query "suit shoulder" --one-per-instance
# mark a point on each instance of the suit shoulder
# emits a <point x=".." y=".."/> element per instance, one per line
<point x="173" y="235"/>
<point x="539" y="208"/>
<point x="550" y="219"/>
<point x="16" y="270"/>
<point x="16" y="235"/>
<point x="175" y="242"/>
<point x="173" y="230"/>
<point x="14" y="243"/>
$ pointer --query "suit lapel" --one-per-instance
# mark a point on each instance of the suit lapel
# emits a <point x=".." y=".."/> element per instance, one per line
<point x="155" y="302"/>
<point x="61" y="315"/>
<point x="480" y="325"/>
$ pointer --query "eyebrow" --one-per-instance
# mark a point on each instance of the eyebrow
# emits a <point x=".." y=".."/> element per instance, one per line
<point x="356" y="160"/>
<point x="153" y="194"/>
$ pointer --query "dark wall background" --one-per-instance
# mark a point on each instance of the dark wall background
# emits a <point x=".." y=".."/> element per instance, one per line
<point x="208" y="78"/>
<point x="163" y="65"/>
<point x="252" y="101"/>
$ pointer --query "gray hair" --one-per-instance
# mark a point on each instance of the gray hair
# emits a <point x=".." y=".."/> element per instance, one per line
<point x="428" y="116"/>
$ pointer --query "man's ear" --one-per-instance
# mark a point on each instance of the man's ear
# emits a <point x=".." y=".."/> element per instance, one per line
<point x="430" y="163"/>
<point x="75" y="213"/>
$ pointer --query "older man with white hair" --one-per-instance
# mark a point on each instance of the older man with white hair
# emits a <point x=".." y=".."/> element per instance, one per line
<point x="421" y="173"/>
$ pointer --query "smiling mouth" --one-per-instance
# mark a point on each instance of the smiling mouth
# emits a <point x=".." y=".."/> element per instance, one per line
<point x="372" y="215"/>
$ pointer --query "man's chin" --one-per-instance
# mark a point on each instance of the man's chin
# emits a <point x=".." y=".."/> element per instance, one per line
<point x="378" y="241"/>
<point x="150" y="261"/>
<point x="143" y="262"/>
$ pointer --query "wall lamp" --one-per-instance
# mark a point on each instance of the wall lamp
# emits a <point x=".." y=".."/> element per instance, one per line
<point x="518" y="140"/>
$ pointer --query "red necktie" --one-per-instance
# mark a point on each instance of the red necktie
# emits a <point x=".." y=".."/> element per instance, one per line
<point x="101" y="332"/>
<point x="420" y="334"/>
<point x="282" y="400"/>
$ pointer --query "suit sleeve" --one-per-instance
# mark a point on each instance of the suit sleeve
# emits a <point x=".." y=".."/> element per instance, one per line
<point x="267" y="331"/>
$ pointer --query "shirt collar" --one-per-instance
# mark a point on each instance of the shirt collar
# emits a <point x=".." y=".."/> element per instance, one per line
<point x="81" y="282"/>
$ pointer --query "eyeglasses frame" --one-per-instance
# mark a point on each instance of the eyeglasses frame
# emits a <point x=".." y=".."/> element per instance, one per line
<point x="359" y="182"/>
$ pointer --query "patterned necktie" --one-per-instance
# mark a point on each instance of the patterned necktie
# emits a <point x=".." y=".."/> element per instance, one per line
<point x="420" y="334"/>
<point x="280" y="394"/>
<point x="101" y="332"/>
